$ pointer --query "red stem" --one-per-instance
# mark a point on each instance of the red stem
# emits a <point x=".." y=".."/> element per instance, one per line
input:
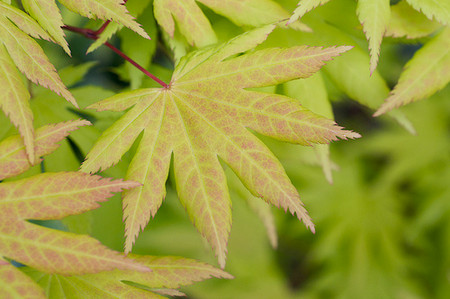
<point x="91" y="34"/>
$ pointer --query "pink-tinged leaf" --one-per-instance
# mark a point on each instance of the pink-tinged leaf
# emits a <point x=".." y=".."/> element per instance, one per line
<point x="23" y="21"/>
<point x="14" y="102"/>
<point x="190" y="19"/>
<point x="41" y="10"/>
<point x="407" y="22"/>
<point x="112" y="10"/>
<point x="374" y="16"/>
<point x="13" y="159"/>
<point x="433" y="9"/>
<point x="15" y="284"/>
<point x="168" y="273"/>
<point x="304" y="6"/>
<point x="203" y="115"/>
<point x="31" y="59"/>
<point x="426" y="73"/>
<point x="53" y="196"/>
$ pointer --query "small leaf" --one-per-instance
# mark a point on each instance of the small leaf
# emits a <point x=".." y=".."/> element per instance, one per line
<point x="438" y="10"/>
<point x="304" y="6"/>
<point x="204" y="114"/>
<point x="426" y="73"/>
<point x="112" y="10"/>
<point x="31" y="59"/>
<point x="374" y="16"/>
<point x="192" y="22"/>
<point x="408" y="22"/>
<point x="23" y="21"/>
<point x="41" y="10"/>
<point x="53" y="196"/>
<point x="14" y="101"/>
<point x="13" y="159"/>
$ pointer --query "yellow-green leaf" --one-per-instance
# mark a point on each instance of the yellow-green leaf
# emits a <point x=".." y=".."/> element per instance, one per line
<point x="204" y="114"/>
<point x="374" y="16"/>
<point x="31" y="59"/>
<point x="433" y="9"/>
<point x="46" y="12"/>
<point x="13" y="159"/>
<point x="407" y="22"/>
<point x="113" y="10"/>
<point x="427" y="72"/>
<point x="304" y="6"/>
<point x="54" y="196"/>
<point x="192" y="22"/>
<point x="14" y="101"/>
<point x="168" y="273"/>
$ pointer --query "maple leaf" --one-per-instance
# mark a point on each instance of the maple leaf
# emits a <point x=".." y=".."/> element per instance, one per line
<point x="18" y="49"/>
<point x="374" y="16"/>
<point x="112" y="10"/>
<point x="438" y="10"/>
<point x="13" y="158"/>
<point x="41" y="10"/>
<point x="202" y="115"/>
<point x="168" y="273"/>
<point x="407" y="22"/>
<point x="196" y="28"/>
<point x="426" y="73"/>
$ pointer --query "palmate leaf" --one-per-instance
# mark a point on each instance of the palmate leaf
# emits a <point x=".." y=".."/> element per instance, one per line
<point x="197" y="30"/>
<point x="168" y="274"/>
<point x="54" y="196"/>
<point x="202" y="115"/>
<point x="426" y="73"/>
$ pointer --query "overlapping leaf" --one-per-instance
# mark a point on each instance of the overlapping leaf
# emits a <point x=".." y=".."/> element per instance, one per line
<point x="203" y="114"/>
<point x="19" y="49"/>
<point x="426" y="73"/>
<point x="13" y="159"/>
<point x="196" y="28"/>
<point x="168" y="274"/>
<point x="375" y="16"/>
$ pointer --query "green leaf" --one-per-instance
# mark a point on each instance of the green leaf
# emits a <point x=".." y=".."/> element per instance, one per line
<point x="23" y="21"/>
<point x="203" y="114"/>
<point x="14" y="101"/>
<point x="304" y="6"/>
<point x="311" y="92"/>
<point x="46" y="12"/>
<point x="192" y="22"/>
<point x="168" y="273"/>
<point x="53" y="196"/>
<point x="426" y="73"/>
<point x="135" y="7"/>
<point x="13" y="159"/>
<point x="31" y="59"/>
<point x="374" y="16"/>
<point x="433" y="9"/>
<point x="112" y="10"/>
<point x="408" y="22"/>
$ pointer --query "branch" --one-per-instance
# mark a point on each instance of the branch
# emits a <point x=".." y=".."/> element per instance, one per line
<point x="91" y="34"/>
